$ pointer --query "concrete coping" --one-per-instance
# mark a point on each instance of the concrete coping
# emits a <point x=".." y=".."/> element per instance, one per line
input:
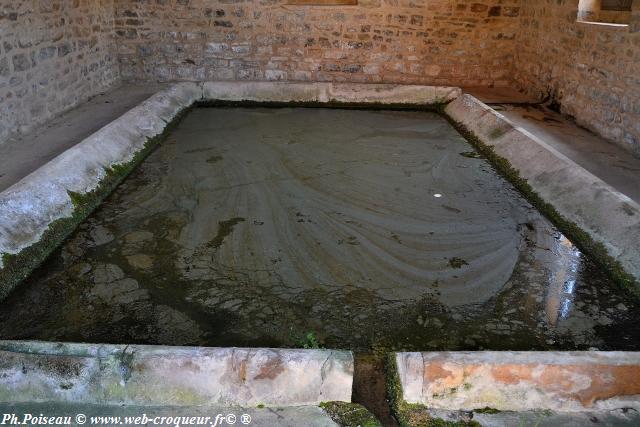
<point x="521" y="381"/>
<point x="30" y="206"/>
<point x="606" y="214"/>
<point x="33" y="371"/>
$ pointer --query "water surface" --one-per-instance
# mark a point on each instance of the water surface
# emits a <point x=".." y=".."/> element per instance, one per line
<point x="343" y="228"/>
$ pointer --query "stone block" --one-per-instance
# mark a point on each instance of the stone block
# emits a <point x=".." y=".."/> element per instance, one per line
<point x="160" y="375"/>
<point x="521" y="381"/>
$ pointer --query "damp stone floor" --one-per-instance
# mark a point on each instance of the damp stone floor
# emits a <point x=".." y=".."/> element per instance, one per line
<point x="355" y="229"/>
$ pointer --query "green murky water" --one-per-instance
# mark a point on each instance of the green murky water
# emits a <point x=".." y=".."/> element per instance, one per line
<point x="350" y="229"/>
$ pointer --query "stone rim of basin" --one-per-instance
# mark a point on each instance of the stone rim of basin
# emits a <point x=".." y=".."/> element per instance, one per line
<point x="159" y="375"/>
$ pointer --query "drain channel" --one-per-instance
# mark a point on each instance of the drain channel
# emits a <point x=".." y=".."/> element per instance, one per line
<point x="369" y="388"/>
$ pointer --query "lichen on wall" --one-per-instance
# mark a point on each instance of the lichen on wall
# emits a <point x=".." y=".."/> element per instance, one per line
<point x="439" y="42"/>
<point x="54" y="54"/>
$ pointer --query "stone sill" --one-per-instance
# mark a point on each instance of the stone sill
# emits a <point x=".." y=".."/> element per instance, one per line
<point x="605" y="25"/>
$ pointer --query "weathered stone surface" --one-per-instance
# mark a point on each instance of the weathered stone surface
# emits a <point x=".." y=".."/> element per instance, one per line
<point x="265" y="91"/>
<point x="373" y="42"/>
<point x="613" y="164"/>
<point x="155" y="375"/>
<point x="607" y="215"/>
<point x="328" y="92"/>
<point x="521" y="381"/>
<point x="619" y="417"/>
<point x="392" y="94"/>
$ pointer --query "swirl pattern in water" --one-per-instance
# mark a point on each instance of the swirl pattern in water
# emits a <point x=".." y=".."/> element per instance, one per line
<point x="344" y="228"/>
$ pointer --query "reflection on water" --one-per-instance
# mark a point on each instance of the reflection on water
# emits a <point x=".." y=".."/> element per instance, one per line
<point x="563" y="272"/>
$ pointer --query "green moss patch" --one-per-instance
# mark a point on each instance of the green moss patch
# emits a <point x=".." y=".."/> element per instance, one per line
<point x="411" y="414"/>
<point x="496" y="133"/>
<point x="456" y="262"/>
<point x="350" y="414"/>
<point x="487" y="410"/>
<point x="434" y="107"/>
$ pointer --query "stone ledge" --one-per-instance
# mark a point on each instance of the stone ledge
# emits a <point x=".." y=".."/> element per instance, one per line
<point x="32" y="211"/>
<point x="31" y="205"/>
<point x="607" y="215"/>
<point x="329" y="92"/>
<point x="160" y="375"/>
<point x="520" y="381"/>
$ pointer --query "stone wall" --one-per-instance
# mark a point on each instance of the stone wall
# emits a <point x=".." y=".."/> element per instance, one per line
<point x="592" y="71"/>
<point x="440" y="42"/>
<point x="54" y="54"/>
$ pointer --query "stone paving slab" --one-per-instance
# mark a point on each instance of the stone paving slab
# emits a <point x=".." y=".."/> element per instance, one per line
<point x="613" y="418"/>
<point x="23" y="154"/>
<point x="32" y="371"/>
<point x="113" y="415"/>
<point x="499" y="95"/>
<point x="608" y="161"/>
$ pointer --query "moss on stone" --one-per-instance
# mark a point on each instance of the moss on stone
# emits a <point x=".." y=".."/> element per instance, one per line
<point x="17" y="267"/>
<point x="411" y="414"/>
<point x="437" y="106"/>
<point x="496" y="133"/>
<point x="583" y="240"/>
<point x="487" y="410"/>
<point x="350" y="414"/>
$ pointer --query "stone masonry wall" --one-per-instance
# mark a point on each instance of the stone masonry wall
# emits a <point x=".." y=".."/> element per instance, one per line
<point x="54" y="54"/>
<point x="440" y="42"/>
<point x="592" y="71"/>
